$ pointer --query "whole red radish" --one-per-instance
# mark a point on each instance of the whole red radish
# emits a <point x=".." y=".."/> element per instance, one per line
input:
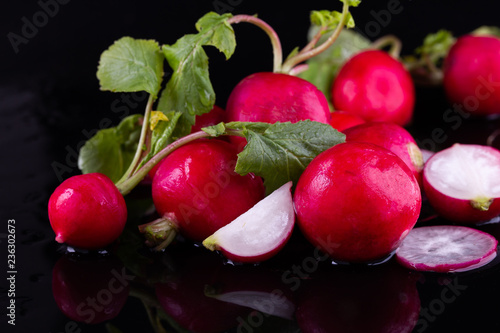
<point x="462" y="183"/>
<point x="342" y="120"/>
<point x="87" y="211"/>
<point x="471" y="74"/>
<point x="276" y="97"/>
<point x="392" y="137"/>
<point x="356" y="202"/>
<point x="376" y="87"/>
<point x="197" y="188"/>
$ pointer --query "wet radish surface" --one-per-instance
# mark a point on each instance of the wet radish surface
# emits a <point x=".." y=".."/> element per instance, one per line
<point x="49" y="105"/>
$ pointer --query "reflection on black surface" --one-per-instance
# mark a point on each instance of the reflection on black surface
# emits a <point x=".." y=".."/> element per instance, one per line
<point x="90" y="290"/>
<point x="182" y="296"/>
<point x="381" y="298"/>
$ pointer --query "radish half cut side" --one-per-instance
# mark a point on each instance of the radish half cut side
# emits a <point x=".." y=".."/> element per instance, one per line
<point x="259" y="233"/>
<point x="462" y="183"/>
<point x="446" y="248"/>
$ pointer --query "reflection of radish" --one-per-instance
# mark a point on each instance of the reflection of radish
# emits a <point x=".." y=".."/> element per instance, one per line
<point x="446" y="249"/>
<point x="259" y="233"/>
<point x="392" y="137"/>
<point x="90" y="290"/>
<point x="197" y="188"/>
<point x="375" y="86"/>
<point x="375" y="299"/>
<point x="357" y="201"/>
<point x="255" y="287"/>
<point x="471" y="74"/>
<point x="182" y="293"/>
<point x="462" y="183"/>
<point x="87" y="211"/>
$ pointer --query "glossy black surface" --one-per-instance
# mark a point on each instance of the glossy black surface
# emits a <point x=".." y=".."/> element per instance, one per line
<point x="50" y="103"/>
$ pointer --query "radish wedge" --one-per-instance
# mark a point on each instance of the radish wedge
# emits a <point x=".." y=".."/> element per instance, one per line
<point x="259" y="233"/>
<point x="446" y="248"/>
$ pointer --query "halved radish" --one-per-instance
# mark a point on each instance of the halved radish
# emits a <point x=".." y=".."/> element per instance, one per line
<point x="259" y="233"/>
<point x="462" y="183"/>
<point x="446" y="248"/>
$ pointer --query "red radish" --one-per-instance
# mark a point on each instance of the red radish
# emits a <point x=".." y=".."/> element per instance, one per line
<point x="272" y="97"/>
<point x="197" y="188"/>
<point x="87" y="211"/>
<point x="90" y="290"/>
<point x="357" y="201"/>
<point x="342" y="120"/>
<point x="392" y="137"/>
<point x="376" y="87"/>
<point x="471" y="74"/>
<point x="446" y="248"/>
<point x="215" y="116"/>
<point x="462" y="183"/>
<point x="259" y="233"/>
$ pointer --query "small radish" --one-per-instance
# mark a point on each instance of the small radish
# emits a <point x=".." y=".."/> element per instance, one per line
<point x="462" y="183"/>
<point x="392" y="137"/>
<point x="198" y="191"/>
<point x="471" y="74"/>
<point x="342" y="120"/>
<point x="376" y="87"/>
<point x="272" y="97"/>
<point x="357" y="201"/>
<point x="259" y="233"/>
<point x="446" y="248"/>
<point x="87" y="211"/>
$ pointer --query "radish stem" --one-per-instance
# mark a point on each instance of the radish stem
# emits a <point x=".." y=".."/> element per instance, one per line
<point x="140" y="144"/>
<point x="311" y="50"/>
<point x="273" y="36"/>
<point x="392" y="41"/>
<point x="127" y="185"/>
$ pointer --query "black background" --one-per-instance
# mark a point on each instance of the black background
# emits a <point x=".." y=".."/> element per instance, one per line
<point x="50" y="97"/>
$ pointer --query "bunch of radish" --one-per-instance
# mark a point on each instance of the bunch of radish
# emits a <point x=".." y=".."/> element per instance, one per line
<point x="287" y="152"/>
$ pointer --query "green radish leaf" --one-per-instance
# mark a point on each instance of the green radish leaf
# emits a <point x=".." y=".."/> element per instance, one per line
<point x="323" y="68"/>
<point x="189" y="90"/>
<point x="215" y="130"/>
<point x="110" y="151"/>
<point x="436" y="45"/>
<point x="131" y="65"/>
<point x="351" y="3"/>
<point x="280" y="152"/>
